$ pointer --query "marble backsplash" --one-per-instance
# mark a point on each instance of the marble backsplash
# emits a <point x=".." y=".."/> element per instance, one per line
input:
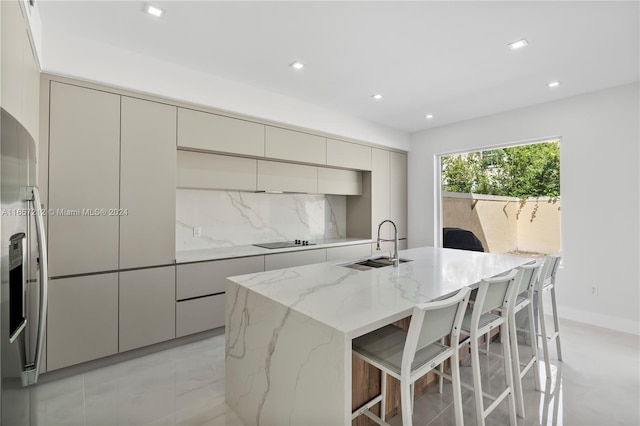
<point x="232" y="218"/>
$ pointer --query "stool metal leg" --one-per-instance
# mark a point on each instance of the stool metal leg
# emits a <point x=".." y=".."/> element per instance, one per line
<point x="555" y="321"/>
<point x="543" y="332"/>
<point x="515" y="360"/>
<point x="533" y="340"/>
<point x="405" y="401"/>
<point x="457" y="391"/>
<point x="477" y="381"/>
<point x="506" y="350"/>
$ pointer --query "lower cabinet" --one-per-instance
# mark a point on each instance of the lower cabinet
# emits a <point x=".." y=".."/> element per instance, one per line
<point x="82" y="319"/>
<point x="147" y="307"/>
<point x="348" y="252"/>
<point x="203" y="313"/>
<point x="293" y="259"/>
<point x="208" y="278"/>
<point x="200" y="291"/>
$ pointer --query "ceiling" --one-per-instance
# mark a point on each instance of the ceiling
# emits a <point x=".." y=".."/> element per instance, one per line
<point x="449" y="59"/>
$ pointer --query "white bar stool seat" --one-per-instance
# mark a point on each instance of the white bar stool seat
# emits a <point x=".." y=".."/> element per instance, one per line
<point x="409" y="355"/>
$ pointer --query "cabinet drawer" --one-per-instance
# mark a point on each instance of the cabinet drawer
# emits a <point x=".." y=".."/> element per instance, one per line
<point x="295" y="146"/>
<point x="211" y="132"/>
<point x="195" y="315"/>
<point x="336" y="181"/>
<point x="197" y="170"/>
<point x="274" y="176"/>
<point x="201" y="279"/>
<point x="348" y="155"/>
<point x="335" y="254"/>
<point x="293" y="259"/>
<point x="147" y="307"/>
<point x="82" y="319"/>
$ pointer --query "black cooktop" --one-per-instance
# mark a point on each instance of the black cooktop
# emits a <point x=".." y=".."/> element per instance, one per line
<point x="285" y="244"/>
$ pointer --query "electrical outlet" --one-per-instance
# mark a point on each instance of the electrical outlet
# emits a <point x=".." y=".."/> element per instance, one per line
<point x="197" y="231"/>
<point x="594" y="290"/>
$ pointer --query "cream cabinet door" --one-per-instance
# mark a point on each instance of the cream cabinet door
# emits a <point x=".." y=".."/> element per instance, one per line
<point x="199" y="170"/>
<point x="147" y="184"/>
<point x="211" y="132"/>
<point x="30" y="89"/>
<point x="359" y="251"/>
<point x="196" y="315"/>
<point x="82" y="319"/>
<point x="147" y="307"/>
<point x="84" y="180"/>
<point x="380" y="188"/>
<point x="398" y="191"/>
<point x="274" y="176"/>
<point x="206" y="278"/>
<point x="13" y="32"/>
<point x="348" y="155"/>
<point x="295" y="146"/>
<point x="294" y="258"/>
<point x="337" y="181"/>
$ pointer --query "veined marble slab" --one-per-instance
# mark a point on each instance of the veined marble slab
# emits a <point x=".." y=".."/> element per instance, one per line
<point x="289" y="332"/>
<point x="234" y="218"/>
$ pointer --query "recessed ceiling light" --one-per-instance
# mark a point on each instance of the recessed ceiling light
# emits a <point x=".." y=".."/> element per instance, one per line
<point x="153" y="10"/>
<point x="377" y="96"/>
<point x="428" y="116"/>
<point x="296" y="65"/>
<point x="553" y="84"/>
<point x="519" y="44"/>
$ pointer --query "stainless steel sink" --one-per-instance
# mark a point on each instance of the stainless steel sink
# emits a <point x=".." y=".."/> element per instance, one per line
<point x="376" y="262"/>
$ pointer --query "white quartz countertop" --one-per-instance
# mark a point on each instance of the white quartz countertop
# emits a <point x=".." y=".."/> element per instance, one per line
<point x="357" y="302"/>
<point x="219" y="253"/>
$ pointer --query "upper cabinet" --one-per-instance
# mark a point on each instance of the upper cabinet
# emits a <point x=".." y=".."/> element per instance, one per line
<point x="211" y="132"/>
<point x="340" y="182"/>
<point x="348" y="155"/>
<point x="20" y="86"/>
<point x="84" y="180"/>
<point x="287" y="177"/>
<point x="199" y="170"/>
<point x="147" y="183"/>
<point x="295" y="146"/>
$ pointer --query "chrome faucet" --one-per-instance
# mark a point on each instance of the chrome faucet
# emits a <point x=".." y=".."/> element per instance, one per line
<point x="396" y="258"/>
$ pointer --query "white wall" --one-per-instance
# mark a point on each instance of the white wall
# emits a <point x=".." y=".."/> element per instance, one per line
<point x="599" y="160"/>
<point x="72" y="56"/>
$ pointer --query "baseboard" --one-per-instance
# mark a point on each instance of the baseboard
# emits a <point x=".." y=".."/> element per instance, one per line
<point x="596" y="319"/>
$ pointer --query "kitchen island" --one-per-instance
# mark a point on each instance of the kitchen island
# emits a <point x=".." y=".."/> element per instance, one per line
<point x="289" y="331"/>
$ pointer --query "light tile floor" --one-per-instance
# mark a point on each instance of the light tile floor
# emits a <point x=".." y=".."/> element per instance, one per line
<point x="597" y="384"/>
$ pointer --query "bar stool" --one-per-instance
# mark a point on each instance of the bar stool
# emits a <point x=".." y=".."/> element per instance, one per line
<point x="409" y="355"/>
<point x="494" y="294"/>
<point x="546" y="284"/>
<point x="526" y="281"/>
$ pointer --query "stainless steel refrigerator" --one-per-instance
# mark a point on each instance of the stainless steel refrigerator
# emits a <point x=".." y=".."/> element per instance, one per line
<point x="24" y="274"/>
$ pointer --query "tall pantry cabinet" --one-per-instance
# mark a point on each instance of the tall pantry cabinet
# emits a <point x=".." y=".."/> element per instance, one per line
<point x="111" y="198"/>
<point x="389" y="195"/>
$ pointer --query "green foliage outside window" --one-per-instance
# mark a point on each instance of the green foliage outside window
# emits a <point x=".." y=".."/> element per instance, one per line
<point x="520" y="171"/>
